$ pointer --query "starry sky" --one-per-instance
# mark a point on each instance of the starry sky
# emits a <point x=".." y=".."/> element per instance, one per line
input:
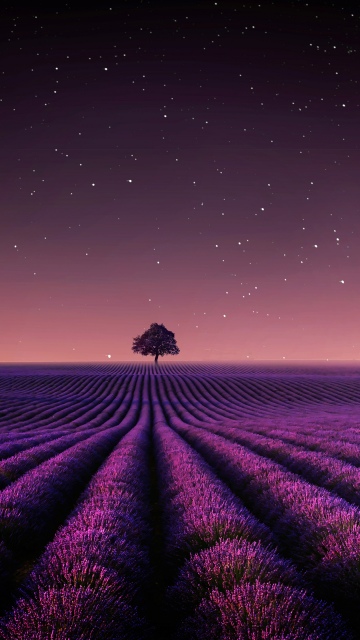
<point x="196" y="166"/>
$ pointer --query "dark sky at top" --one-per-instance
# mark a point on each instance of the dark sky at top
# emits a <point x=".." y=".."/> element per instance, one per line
<point x="196" y="166"/>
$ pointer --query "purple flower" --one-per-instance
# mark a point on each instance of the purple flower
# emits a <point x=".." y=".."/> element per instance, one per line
<point x="265" y="611"/>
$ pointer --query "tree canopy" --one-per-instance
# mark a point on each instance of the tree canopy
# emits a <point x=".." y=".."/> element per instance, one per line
<point x="156" y="341"/>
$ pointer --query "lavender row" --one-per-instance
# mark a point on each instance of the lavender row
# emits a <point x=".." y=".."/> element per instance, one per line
<point x="319" y="531"/>
<point x="217" y="400"/>
<point x="93" y="580"/>
<point x="193" y="401"/>
<point x="248" y="396"/>
<point x="71" y="405"/>
<point x="208" y="399"/>
<point x="60" y="385"/>
<point x="35" y="505"/>
<point x="51" y="432"/>
<point x="263" y="611"/>
<point x="228" y="369"/>
<point x="231" y="392"/>
<point x="199" y="510"/>
<point x="12" y="468"/>
<point x="297" y="392"/>
<point x="334" y="445"/>
<point x="335" y="470"/>
<point x="110" y="415"/>
<point x="340" y="429"/>
<point x="70" y="409"/>
<point x="338" y="477"/>
<point x="21" y="443"/>
<point x="174" y="401"/>
<point x="202" y="530"/>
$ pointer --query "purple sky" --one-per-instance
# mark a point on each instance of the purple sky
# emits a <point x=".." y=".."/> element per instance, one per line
<point x="197" y="167"/>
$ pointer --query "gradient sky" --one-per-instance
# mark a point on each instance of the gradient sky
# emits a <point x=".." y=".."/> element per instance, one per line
<point x="193" y="166"/>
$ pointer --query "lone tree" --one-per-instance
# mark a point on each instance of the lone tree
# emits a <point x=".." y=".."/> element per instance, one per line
<point x="156" y="341"/>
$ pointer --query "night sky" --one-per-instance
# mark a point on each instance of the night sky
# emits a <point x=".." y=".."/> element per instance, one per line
<point x="196" y="166"/>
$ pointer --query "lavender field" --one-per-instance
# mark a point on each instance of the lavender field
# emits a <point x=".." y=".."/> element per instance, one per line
<point x="185" y="501"/>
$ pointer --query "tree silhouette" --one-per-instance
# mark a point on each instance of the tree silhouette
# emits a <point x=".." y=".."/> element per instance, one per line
<point x="156" y="341"/>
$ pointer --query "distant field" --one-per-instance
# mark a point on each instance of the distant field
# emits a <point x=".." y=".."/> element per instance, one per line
<point x="186" y="501"/>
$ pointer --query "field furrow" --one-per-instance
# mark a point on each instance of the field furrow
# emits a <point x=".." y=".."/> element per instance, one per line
<point x="179" y="501"/>
<point x="325" y="471"/>
<point x="216" y="552"/>
<point x="94" y="579"/>
<point x="313" y="527"/>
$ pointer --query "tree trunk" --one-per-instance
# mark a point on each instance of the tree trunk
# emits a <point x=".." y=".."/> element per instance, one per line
<point x="156" y="358"/>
